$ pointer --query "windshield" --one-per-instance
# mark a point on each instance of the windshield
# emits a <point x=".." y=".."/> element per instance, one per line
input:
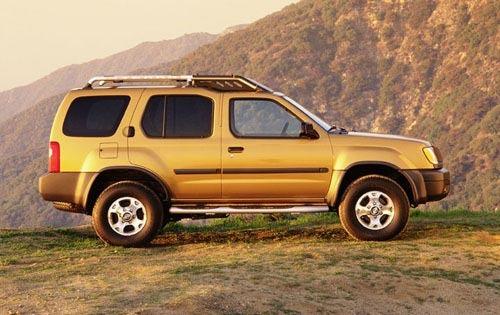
<point x="318" y="120"/>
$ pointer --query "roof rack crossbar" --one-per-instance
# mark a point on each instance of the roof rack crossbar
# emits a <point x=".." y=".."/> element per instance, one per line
<point x="217" y="82"/>
<point x="138" y="78"/>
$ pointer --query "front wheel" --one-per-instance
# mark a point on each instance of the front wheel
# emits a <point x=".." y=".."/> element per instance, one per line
<point x="374" y="208"/>
<point x="127" y="214"/>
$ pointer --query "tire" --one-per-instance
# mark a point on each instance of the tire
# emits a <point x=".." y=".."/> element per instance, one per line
<point x="365" y="209"/>
<point x="129" y="226"/>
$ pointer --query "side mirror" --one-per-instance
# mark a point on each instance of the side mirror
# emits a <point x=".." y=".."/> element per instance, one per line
<point x="307" y="131"/>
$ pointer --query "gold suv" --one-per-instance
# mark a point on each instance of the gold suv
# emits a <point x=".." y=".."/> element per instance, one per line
<point x="137" y="156"/>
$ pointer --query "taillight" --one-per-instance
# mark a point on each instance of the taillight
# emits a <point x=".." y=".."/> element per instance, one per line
<point x="54" y="157"/>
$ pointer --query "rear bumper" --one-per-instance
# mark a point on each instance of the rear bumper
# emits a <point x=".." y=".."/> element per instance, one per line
<point x="66" y="190"/>
<point x="429" y="185"/>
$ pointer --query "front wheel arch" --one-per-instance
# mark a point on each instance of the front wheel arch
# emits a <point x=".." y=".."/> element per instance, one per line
<point x="359" y="170"/>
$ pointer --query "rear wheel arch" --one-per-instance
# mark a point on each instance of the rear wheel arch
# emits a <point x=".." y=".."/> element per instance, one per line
<point x="111" y="175"/>
<point x="358" y="170"/>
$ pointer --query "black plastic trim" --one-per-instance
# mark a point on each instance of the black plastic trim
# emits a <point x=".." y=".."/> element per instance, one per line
<point x="275" y="170"/>
<point x="164" y="186"/>
<point x="416" y="184"/>
<point x="194" y="171"/>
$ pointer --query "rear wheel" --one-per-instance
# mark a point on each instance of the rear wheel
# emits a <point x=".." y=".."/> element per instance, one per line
<point x="374" y="208"/>
<point x="127" y="214"/>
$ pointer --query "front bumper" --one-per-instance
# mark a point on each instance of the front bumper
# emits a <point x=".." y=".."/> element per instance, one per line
<point x="437" y="183"/>
<point x="429" y="184"/>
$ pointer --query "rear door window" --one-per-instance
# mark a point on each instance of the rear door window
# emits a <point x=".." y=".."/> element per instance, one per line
<point x="178" y="116"/>
<point x="95" y="116"/>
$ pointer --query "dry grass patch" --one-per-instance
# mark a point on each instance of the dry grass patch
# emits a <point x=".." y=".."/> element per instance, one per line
<point x="441" y="264"/>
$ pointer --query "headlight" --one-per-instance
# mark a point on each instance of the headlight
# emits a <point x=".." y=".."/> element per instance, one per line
<point x="431" y="155"/>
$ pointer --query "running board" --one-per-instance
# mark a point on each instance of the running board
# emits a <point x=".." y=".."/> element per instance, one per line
<point x="230" y="210"/>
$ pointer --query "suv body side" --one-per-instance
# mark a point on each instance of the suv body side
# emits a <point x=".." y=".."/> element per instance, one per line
<point x="203" y="171"/>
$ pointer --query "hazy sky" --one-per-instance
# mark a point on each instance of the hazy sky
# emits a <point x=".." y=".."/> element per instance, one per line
<point x="39" y="36"/>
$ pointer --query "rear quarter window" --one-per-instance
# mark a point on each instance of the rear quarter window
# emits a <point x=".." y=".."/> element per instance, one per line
<point x="94" y="116"/>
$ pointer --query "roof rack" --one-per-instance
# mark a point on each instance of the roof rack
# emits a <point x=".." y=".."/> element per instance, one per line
<point x="215" y="82"/>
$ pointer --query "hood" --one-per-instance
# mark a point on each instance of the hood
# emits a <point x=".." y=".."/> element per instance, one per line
<point x="359" y="147"/>
<point x="385" y="137"/>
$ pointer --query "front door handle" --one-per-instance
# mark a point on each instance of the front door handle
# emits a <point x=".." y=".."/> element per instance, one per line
<point x="235" y="149"/>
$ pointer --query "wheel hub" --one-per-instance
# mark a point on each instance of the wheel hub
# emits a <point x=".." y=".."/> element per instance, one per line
<point x="127" y="216"/>
<point x="374" y="210"/>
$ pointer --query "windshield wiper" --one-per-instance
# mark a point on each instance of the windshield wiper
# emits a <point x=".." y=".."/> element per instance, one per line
<point x="337" y="130"/>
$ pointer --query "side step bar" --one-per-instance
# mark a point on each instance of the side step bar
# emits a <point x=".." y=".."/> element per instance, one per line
<point x="229" y="210"/>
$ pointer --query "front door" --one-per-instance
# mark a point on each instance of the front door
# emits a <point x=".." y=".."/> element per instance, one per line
<point x="263" y="156"/>
<point x="177" y="136"/>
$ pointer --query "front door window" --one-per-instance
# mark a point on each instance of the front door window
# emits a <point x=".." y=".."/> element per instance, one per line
<point x="259" y="118"/>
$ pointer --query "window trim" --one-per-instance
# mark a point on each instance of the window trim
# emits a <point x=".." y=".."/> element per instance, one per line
<point x="163" y="136"/>
<point x="115" y="127"/>
<point x="239" y="136"/>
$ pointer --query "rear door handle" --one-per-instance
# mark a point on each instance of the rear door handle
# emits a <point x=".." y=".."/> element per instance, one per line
<point x="235" y="149"/>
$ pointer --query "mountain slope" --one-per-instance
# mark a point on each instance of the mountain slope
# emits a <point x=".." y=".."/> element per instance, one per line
<point x="143" y="55"/>
<point x="23" y="158"/>
<point x="423" y="68"/>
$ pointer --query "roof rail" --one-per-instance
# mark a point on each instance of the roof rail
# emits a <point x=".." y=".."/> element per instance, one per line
<point x="215" y="82"/>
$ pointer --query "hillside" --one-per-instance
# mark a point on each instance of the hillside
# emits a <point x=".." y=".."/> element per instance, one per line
<point x="143" y="55"/>
<point x="428" y="69"/>
<point x="423" y="68"/>
<point x="23" y="158"/>
<point x="445" y="263"/>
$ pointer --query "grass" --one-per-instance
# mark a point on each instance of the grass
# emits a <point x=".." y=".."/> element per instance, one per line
<point x="238" y="223"/>
<point x="445" y="262"/>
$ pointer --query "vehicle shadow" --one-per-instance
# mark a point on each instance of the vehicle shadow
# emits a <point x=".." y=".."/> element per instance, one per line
<point x="414" y="231"/>
<point x="248" y="236"/>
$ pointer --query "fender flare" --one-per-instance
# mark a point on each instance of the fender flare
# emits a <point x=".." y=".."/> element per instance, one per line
<point x="143" y="170"/>
<point x="411" y="176"/>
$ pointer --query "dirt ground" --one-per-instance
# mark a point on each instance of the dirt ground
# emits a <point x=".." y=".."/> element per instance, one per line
<point x="436" y="267"/>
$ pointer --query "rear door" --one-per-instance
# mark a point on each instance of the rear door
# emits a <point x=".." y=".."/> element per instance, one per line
<point x="177" y="137"/>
